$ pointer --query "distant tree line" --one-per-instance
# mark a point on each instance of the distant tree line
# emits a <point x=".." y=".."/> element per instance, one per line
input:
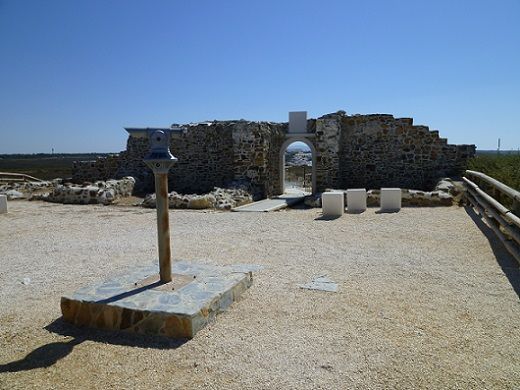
<point x="502" y="167"/>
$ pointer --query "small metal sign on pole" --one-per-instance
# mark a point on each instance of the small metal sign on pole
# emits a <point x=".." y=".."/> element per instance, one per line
<point x="159" y="159"/>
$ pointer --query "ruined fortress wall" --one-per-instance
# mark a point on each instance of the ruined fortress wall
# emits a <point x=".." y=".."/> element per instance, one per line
<point x="273" y="146"/>
<point x="328" y="148"/>
<point x="103" y="168"/>
<point x="205" y="159"/>
<point x="369" y="151"/>
<point x="209" y="155"/>
<point x="205" y="156"/>
<point x="383" y="151"/>
<point x="254" y="145"/>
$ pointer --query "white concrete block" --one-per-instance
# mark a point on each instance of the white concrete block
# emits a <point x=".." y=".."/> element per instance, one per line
<point x="333" y="204"/>
<point x="3" y="204"/>
<point x="356" y="200"/>
<point x="390" y="199"/>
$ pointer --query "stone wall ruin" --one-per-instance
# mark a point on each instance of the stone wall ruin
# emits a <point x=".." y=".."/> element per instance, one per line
<point x="352" y="151"/>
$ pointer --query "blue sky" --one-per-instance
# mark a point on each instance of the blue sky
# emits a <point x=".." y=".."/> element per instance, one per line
<point x="74" y="73"/>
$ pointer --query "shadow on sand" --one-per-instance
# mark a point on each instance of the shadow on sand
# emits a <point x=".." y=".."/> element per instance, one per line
<point x="42" y="357"/>
<point x="354" y="212"/>
<point x="504" y="259"/>
<point x="380" y="211"/>
<point x="327" y="218"/>
<point x="48" y="354"/>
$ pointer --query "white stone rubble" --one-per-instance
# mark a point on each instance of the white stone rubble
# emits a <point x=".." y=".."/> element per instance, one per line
<point x="100" y="192"/>
<point x="219" y="198"/>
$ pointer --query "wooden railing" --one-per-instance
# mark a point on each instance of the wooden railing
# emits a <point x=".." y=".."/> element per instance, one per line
<point x="13" y="177"/>
<point x="503" y="220"/>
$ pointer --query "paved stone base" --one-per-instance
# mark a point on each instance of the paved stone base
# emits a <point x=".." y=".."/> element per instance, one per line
<point x="137" y="302"/>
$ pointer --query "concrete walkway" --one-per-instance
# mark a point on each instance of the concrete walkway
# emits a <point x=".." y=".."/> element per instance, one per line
<point x="280" y="202"/>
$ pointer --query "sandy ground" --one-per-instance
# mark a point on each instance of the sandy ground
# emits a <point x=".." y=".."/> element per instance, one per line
<point x="426" y="300"/>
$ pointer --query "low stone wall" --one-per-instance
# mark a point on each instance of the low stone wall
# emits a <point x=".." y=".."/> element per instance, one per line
<point x="98" y="193"/>
<point x="25" y="190"/>
<point x="219" y="198"/>
<point x="447" y="192"/>
<point x="80" y="195"/>
<point x="414" y="198"/>
<point x="103" y="168"/>
<point x="12" y="194"/>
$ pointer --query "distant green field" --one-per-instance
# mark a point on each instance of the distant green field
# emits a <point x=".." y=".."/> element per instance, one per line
<point x="43" y="166"/>
<point x="502" y="167"/>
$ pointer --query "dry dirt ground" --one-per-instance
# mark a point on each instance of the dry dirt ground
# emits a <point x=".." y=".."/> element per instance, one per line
<point x="427" y="299"/>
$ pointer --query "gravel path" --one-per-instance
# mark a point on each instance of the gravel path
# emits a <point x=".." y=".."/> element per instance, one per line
<point x="425" y="300"/>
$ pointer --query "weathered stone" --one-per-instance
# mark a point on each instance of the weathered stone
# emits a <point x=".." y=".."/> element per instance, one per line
<point x="313" y="200"/>
<point x="21" y="190"/>
<point x="411" y="198"/>
<point x="14" y="194"/>
<point x="202" y="202"/>
<point x="100" y="192"/>
<point x="356" y="151"/>
<point x="219" y="198"/>
<point x="152" y="308"/>
<point x="321" y="283"/>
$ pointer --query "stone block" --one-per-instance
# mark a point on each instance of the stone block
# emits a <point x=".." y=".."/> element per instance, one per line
<point x="390" y="199"/>
<point x="138" y="302"/>
<point x="333" y="204"/>
<point x="3" y="204"/>
<point x="356" y="200"/>
<point x="298" y="122"/>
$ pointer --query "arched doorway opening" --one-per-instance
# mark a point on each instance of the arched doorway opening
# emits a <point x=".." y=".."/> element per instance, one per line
<point x="298" y="166"/>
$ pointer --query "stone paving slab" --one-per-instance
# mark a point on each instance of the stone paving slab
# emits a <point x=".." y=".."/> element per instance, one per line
<point x="125" y="303"/>
<point x="274" y="204"/>
<point x="321" y="283"/>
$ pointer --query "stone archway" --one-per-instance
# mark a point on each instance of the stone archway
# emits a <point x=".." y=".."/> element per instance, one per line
<point x="291" y="139"/>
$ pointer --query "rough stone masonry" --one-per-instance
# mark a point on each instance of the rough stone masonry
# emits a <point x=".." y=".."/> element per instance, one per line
<point x="352" y="151"/>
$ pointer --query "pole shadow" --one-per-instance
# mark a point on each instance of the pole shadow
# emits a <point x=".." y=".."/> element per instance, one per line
<point x="49" y="354"/>
<point x="42" y="357"/>
<point x="127" y="294"/>
<point x="504" y="259"/>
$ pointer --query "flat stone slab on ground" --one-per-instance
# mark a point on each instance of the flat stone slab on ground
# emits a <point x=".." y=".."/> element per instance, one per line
<point x="274" y="204"/>
<point x="138" y="302"/>
<point x="321" y="283"/>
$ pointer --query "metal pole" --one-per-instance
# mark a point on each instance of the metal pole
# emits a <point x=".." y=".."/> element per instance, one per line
<point x="163" y="226"/>
<point x="159" y="159"/>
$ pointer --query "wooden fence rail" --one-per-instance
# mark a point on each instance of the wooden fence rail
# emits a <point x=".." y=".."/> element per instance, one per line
<point x="505" y="222"/>
<point x="7" y="176"/>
